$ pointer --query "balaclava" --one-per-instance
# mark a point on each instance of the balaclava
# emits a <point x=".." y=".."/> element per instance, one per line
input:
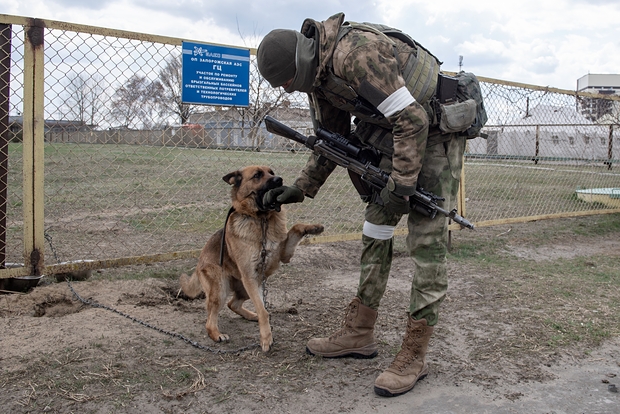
<point x="276" y="56"/>
<point x="287" y="54"/>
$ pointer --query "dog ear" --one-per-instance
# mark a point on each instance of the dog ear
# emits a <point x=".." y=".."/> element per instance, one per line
<point x="233" y="178"/>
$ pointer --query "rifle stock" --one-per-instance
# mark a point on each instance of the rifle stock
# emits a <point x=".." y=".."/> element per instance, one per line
<point x="340" y="151"/>
<point x="278" y="128"/>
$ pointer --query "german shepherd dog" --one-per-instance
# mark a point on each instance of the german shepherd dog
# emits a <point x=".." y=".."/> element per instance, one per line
<point x="254" y="241"/>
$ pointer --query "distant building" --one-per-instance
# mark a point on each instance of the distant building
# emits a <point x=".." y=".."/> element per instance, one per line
<point x="16" y="124"/>
<point x="547" y="132"/>
<point x="597" y="109"/>
<point x="231" y="127"/>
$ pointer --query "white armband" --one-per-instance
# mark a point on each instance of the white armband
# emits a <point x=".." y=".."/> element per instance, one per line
<point x="397" y="101"/>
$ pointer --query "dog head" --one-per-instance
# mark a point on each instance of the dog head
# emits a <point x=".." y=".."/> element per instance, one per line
<point x="250" y="185"/>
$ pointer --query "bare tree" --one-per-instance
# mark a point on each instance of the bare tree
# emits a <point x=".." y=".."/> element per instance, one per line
<point x="83" y="98"/>
<point x="137" y="103"/>
<point x="171" y="80"/>
<point x="263" y="98"/>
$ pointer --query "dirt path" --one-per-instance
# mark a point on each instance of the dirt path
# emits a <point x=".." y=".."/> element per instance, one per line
<point x="61" y="355"/>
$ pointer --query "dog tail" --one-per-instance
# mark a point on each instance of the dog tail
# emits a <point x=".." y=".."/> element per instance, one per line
<point x="190" y="285"/>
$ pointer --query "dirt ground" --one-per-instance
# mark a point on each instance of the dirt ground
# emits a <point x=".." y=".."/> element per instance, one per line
<point x="62" y="355"/>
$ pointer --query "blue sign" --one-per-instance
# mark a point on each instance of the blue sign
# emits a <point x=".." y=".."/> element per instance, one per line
<point x="215" y="75"/>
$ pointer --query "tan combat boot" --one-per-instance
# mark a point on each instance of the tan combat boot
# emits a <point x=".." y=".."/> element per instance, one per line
<point x="409" y="365"/>
<point x="355" y="338"/>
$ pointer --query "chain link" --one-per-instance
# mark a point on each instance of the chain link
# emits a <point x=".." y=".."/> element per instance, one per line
<point x="263" y="264"/>
<point x="48" y="237"/>
<point x="195" y="344"/>
<point x="170" y="333"/>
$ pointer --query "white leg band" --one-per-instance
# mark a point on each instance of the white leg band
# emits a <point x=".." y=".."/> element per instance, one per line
<point x="379" y="232"/>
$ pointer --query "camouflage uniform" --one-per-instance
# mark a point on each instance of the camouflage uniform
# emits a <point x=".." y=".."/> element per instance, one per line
<point x="365" y="61"/>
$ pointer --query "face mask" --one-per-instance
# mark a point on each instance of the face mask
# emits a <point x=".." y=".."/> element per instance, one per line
<point x="306" y="63"/>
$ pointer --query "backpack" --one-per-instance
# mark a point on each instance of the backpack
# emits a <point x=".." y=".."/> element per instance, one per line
<point x="468" y="87"/>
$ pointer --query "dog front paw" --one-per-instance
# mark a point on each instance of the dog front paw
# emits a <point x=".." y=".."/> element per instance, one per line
<point x="314" y="229"/>
<point x="220" y="337"/>
<point x="266" y="343"/>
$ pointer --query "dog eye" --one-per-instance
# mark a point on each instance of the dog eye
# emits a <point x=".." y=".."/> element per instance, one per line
<point x="259" y="174"/>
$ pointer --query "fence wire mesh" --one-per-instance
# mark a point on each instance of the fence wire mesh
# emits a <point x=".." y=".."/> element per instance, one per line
<point x="131" y="171"/>
<point x="546" y="153"/>
<point x="11" y="172"/>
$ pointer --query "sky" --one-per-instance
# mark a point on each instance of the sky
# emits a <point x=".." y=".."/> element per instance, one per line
<point x="539" y="42"/>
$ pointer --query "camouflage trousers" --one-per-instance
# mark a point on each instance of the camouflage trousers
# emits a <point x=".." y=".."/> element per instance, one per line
<point x="427" y="238"/>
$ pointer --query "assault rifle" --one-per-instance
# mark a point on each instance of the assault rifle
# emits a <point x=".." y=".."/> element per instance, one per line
<point x="336" y="148"/>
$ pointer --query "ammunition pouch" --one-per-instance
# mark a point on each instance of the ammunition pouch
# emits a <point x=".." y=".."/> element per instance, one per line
<point x="446" y="89"/>
<point x="458" y="105"/>
<point x="457" y="117"/>
<point x="469" y="88"/>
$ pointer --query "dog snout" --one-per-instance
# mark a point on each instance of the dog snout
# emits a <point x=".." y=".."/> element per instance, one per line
<point x="275" y="182"/>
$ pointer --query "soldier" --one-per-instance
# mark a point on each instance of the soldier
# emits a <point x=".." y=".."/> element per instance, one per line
<point x="386" y="83"/>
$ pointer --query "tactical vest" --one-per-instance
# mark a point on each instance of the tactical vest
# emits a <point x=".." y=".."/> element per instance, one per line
<point x="420" y="73"/>
<point x="421" y="69"/>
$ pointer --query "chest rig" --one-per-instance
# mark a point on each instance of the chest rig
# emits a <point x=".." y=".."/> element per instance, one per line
<point x="420" y="71"/>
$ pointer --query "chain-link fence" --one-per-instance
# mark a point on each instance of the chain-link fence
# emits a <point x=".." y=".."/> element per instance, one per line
<point x="132" y="174"/>
<point x="548" y="153"/>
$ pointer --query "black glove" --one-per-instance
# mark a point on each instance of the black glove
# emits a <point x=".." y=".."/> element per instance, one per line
<point x="393" y="202"/>
<point x="274" y="198"/>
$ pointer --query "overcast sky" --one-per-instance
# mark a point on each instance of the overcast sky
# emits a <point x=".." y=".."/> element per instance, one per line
<point x="540" y="42"/>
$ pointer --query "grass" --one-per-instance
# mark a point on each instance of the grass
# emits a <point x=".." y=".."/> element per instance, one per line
<point x="570" y="299"/>
<point x="108" y="201"/>
<point x="170" y="270"/>
<point x="80" y="381"/>
<point x="510" y="189"/>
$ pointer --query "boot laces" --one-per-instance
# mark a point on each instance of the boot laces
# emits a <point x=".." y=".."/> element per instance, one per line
<point x="346" y="322"/>
<point x="409" y="351"/>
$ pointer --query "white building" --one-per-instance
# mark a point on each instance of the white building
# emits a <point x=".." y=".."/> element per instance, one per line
<point x="599" y="83"/>
<point x="547" y="132"/>
<point x="605" y="84"/>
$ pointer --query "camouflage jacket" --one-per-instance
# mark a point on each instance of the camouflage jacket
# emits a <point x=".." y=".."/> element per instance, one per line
<point x="366" y="62"/>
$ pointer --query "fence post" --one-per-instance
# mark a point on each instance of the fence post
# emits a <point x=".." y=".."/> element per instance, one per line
<point x="610" y="147"/>
<point x="6" y="31"/>
<point x="460" y="196"/>
<point x="33" y="146"/>
<point x="537" y="145"/>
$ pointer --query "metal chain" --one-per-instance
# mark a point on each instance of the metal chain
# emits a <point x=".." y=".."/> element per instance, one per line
<point x="263" y="264"/>
<point x="48" y="237"/>
<point x="148" y="325"/>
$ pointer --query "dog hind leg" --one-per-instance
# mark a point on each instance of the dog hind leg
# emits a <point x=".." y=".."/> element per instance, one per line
<point x="239" y="297"/>
<point x="190" y="285"/>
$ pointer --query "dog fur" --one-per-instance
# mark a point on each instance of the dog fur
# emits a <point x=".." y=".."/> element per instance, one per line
<point x="251" y="233"/>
